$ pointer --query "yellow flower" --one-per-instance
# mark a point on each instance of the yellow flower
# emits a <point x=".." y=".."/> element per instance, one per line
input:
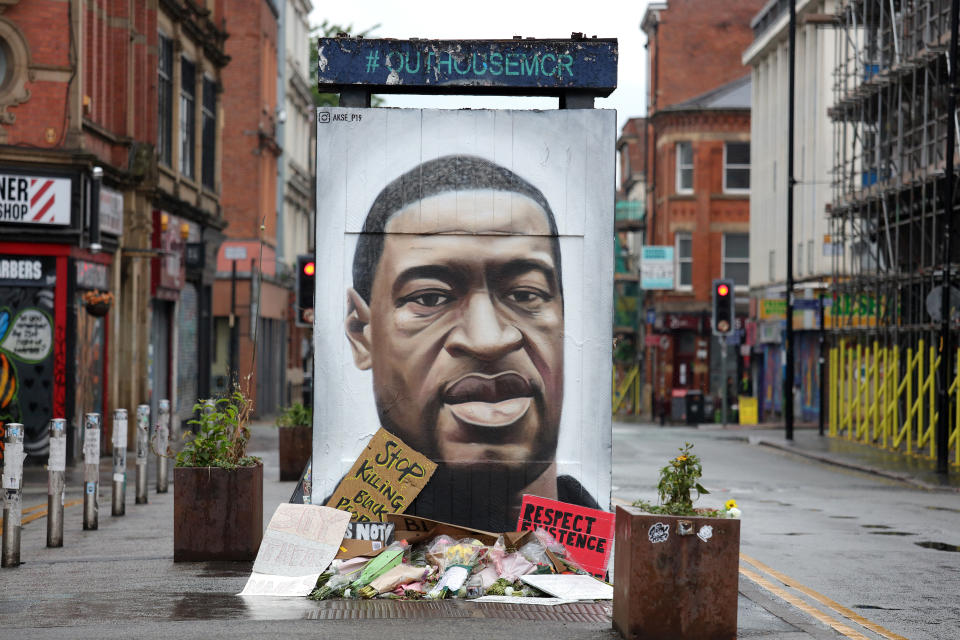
<point x="681" y="458"/>
<point x="730" y="504"/>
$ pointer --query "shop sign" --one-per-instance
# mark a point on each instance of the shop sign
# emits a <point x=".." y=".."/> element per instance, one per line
<point x="34" y="200"/>
<point x="111" y="211"/>
<point x="768" y="332"/>
<point x="92" y="275"/>
<point x="656" y="268"/>
<point x="171" y="274"/>
<point x="773" y="309"/>
<point x="679" y="322"/>
<point x="18" y="271"/>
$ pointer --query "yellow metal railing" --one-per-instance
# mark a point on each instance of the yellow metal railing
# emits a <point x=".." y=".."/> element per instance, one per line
<point x="875" y="398"/>
<point x="628" y="387"/>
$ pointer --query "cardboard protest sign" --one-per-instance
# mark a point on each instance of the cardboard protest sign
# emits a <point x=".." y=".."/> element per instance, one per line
<point x="383" y="480"/>
<point x="365" y="539"/>
<point x="587" y="534"/>
<point x="413" y="529"/>
<point x="299" y="544"/>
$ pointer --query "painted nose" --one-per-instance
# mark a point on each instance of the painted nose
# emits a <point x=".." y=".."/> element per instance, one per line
<point x="481" y="333"/>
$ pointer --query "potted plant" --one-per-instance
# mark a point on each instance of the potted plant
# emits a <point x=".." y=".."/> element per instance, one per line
<point x="218" y="488"/>
<point x="296" y="440"/>
<point x="96" y="302"/>
<point x="675" y="566"/>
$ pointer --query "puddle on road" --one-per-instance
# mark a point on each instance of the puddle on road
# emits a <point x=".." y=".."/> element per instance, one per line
<point x="875" y="526"/>
<point x="844" y="517"/>
<point x="871" y="606"/>
<point x="951" y="509"/>
<point x="939" y="546"/>
<point x="891" y="533"/>
<point x="777" y="502"/>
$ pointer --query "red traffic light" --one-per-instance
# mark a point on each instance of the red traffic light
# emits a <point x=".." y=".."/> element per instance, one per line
<point x="722" y="290"/>
<point x="309" y="268"/>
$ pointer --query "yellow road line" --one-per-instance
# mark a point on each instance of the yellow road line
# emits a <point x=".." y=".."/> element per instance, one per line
<point x="836" y="606"/>
<point x="41" y="514"/>
<point x="803" y="606"/>
<point x="34" y="508"/>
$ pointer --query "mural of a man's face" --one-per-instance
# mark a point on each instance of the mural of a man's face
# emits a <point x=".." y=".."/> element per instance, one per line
<point x="464" y="329"/>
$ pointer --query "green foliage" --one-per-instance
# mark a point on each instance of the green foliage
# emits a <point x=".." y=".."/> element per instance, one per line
<point x="328" y="30"/>
<point x="677" y="481"/>
<point x="222" y="437"/>
<point x="296" y="415"/>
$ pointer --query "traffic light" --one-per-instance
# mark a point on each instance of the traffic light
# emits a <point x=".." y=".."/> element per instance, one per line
<point x="306" y="270"/>
<point x="723" y="312"/>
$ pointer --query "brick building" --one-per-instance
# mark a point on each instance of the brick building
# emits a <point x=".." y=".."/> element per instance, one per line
<point x="129" y="90"/>
<point x="698" y="175"/>
<point x="249" y="285"/>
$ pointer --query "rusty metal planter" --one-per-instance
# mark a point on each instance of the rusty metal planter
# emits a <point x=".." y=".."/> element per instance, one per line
<point x="673" y="585"/>
<point x="295" y="449"/>
<point x="217" y="513"/>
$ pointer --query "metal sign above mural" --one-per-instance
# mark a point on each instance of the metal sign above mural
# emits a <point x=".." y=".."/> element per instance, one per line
<point x="528" y="67"/>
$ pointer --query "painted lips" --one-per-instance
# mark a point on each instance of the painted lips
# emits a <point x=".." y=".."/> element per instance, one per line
<point x="489" y="401"/>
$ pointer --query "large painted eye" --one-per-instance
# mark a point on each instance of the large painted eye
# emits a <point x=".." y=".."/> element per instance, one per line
<point x="426" y="298"/>
<point x="527" y="297"/>
<point x="432" y="299"/>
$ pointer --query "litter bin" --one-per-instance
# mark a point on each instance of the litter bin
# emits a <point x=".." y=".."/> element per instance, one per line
<point x="694" y="400"/>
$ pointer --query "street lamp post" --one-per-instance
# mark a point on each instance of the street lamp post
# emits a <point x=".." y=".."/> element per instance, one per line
<point x="788" y="341"/>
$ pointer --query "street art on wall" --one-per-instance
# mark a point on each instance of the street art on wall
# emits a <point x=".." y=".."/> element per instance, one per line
<point x="467" y="296"/>
<point x="26" y="347"/>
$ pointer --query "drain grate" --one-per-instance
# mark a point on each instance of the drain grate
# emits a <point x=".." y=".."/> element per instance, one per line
<point x="404" y="609"/>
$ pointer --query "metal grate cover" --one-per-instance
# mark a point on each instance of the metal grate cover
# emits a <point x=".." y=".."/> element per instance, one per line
<point x="405" y="609"/>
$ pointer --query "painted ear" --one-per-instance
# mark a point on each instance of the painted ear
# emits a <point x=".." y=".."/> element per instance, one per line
<point x="358" y="329"/>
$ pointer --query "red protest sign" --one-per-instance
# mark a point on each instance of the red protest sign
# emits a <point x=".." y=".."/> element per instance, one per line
<point x="587" y="534"/>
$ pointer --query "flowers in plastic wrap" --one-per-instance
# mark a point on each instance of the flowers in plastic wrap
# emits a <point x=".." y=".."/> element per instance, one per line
<point x="459" y="560"/>
<point x="398" y="575"/>
<point x="386" y="560"/>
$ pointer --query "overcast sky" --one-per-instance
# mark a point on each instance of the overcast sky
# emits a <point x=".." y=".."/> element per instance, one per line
<point x="503" y="19"/>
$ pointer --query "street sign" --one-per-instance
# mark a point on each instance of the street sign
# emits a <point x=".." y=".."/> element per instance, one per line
<point x="235" y="253"/>
<point x="529" y="67"/>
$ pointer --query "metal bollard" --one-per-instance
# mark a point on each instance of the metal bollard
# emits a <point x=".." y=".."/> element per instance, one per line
<point x="91" y="471"/>
<point x="12" y="485"/>
<point x="118" y="507"/>
<point x="143" y="446"/>
<point x="56" y="465"/>
<point x="163" y="442"/>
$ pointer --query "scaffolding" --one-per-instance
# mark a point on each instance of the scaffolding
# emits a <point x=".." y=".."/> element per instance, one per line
<point x="890" y="120"/>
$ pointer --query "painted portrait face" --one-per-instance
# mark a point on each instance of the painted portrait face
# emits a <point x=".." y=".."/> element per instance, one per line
<point x="464" y="330"/>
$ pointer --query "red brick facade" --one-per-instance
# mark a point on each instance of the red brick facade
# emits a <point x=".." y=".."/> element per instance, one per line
<point x="694" y="46"/>
<point x="250" y="156"/>
<point x="694" y="49"/>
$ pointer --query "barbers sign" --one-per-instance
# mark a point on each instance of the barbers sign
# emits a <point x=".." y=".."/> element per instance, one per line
<point x="34" y="200"/>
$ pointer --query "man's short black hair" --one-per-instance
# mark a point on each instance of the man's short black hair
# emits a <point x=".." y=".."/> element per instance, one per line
<point x="448" y="173"/>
